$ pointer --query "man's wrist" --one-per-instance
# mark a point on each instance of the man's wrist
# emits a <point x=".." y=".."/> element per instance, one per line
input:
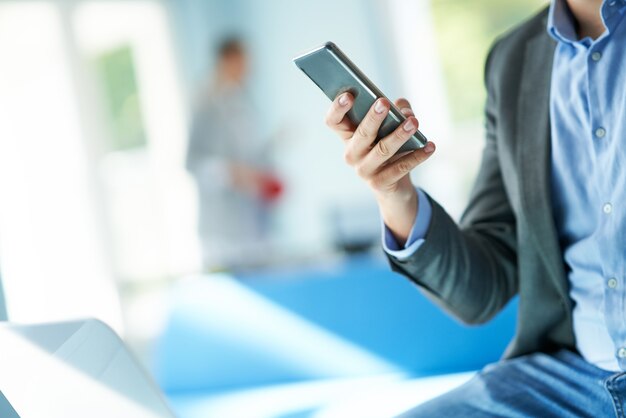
<point x="398" y="211"/>
<point x="398" y="196"/>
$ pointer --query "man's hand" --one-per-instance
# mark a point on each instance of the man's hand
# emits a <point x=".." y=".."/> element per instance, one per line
<point x="386" y="174"/>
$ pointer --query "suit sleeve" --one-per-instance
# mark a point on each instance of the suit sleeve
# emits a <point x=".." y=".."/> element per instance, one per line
<point x="470" y="269"/>
<point x="417" y="234"/>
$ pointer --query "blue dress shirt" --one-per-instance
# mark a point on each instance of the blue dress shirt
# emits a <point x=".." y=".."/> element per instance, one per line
<point x="588" y="178"/>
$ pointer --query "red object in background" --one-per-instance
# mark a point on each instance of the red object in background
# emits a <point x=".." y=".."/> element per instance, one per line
<point x="271" y="188"/>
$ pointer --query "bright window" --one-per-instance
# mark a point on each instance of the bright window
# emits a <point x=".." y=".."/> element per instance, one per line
<point x="54" y="264"/>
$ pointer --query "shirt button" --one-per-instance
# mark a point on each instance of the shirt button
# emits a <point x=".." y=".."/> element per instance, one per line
<point x="600" y="132"/>
<point x="596" y="56"/>
<point x="621" y="353"/>
<point x="607" y="208"/>
<point x="612" y="283"/>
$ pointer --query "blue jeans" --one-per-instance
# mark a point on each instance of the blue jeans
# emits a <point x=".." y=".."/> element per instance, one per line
<point x="538" y="385"/>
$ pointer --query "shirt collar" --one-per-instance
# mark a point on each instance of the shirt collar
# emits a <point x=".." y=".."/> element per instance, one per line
<point x="561" y="24"/>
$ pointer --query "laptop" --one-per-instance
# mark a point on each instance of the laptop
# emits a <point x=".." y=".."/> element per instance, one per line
<point x="73" y="370"/>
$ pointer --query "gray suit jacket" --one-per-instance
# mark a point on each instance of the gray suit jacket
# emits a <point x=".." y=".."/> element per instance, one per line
<point x="506" y="242"/>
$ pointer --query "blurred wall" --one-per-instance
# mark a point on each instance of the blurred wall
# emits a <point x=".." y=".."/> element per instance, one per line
<point x="58" y="216"/>
<point x="3" y="308"/>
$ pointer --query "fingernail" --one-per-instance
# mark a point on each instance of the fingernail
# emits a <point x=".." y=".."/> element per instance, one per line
<point x="343" y="99"/>
<point x="379" y="107"/>
<point x="430" y="147"/>
<point x="409" y="125"/>
<point x="407" y="111"/>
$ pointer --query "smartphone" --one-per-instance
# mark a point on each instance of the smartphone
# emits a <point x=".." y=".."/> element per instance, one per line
<point x="335" y="74"/>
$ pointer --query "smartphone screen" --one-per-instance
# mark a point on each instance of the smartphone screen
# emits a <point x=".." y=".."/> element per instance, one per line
<point x="332" y="71"/>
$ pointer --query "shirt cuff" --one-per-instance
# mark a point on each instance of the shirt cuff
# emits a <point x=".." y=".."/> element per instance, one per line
<point x="417" y="234"/>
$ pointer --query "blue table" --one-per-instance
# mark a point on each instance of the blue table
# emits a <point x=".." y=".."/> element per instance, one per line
<point x="340" y="319"/>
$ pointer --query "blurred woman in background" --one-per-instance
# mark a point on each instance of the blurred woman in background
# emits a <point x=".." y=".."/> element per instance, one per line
<point x="230" y="163"/>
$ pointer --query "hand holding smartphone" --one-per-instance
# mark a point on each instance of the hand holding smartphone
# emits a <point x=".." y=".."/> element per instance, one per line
<point x="331" y="70"/>
<point x="381" y="144"/>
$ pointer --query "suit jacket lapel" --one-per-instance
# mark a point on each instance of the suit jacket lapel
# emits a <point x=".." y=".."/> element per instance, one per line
<point x="533" y="139"/>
